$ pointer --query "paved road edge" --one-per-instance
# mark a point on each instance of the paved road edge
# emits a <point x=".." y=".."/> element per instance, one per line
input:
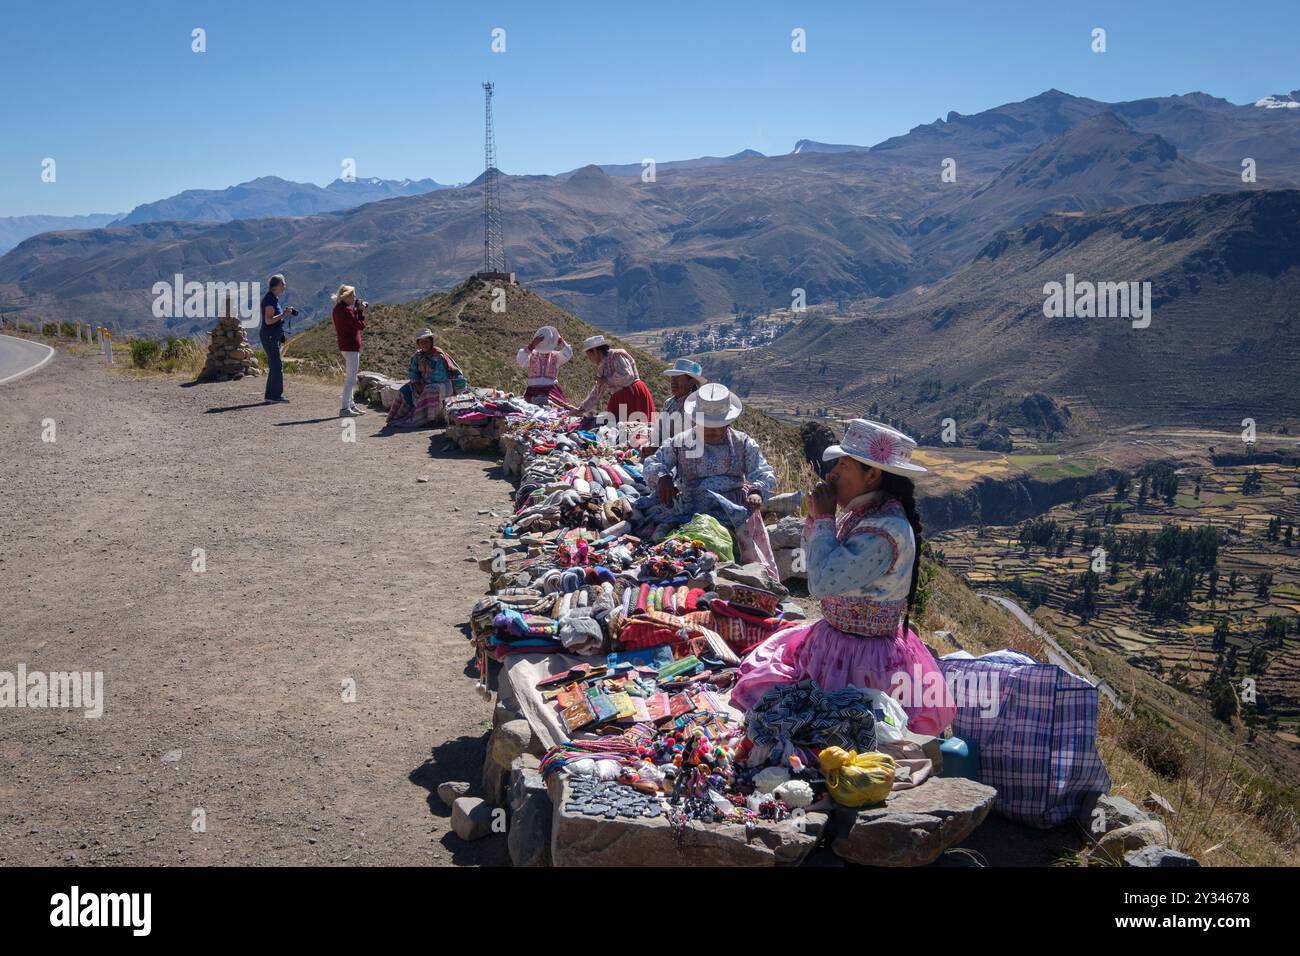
<point x="27" y="371"/>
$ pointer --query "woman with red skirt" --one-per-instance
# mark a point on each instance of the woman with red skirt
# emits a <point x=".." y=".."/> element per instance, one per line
<point x="629" y="398"/>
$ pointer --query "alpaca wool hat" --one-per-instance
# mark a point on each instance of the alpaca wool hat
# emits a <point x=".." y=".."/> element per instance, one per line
<point x="686" y="367"/>
<point x="592" y="342"/>
<point x="712" y="405"/>
<point x="877" y="445"/>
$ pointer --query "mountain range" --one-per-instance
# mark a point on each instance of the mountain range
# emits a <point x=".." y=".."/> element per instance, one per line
<point x="270" y="196"/>
<point x="262" y="198"/>
<point x="14" y="229"/>
<point x="899" y="235"/>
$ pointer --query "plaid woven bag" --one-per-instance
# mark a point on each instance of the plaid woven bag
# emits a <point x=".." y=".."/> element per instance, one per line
<point x="1039" y="750"/>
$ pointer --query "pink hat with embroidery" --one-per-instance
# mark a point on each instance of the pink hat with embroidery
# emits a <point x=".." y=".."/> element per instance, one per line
<point x="877" y="445"/>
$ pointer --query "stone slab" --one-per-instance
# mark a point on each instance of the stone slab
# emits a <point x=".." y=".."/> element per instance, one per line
<point x="580" y="840"/>
<point x="912" y="827"/>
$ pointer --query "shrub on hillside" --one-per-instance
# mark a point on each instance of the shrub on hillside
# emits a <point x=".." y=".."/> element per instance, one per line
<point x="144" y="352"/>
<point x="1155" y="744"/>
<point x="173" y="355"/>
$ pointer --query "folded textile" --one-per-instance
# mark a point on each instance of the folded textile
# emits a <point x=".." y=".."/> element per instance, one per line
<point x="801" y="719"/>
<point x="580" y="632"/>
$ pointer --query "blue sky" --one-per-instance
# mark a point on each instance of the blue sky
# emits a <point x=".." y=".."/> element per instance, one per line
<point x="113" y="92"/>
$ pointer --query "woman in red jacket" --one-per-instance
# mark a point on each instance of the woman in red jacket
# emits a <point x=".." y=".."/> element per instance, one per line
<point x="349" y="320"/>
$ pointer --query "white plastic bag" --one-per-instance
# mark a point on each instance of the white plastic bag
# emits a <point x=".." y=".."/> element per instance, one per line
<point x="892" y="728"/>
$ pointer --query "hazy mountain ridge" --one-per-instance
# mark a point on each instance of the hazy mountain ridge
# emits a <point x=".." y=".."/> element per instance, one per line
<point x="14" y="229"/>
<point x="270" y="196"/>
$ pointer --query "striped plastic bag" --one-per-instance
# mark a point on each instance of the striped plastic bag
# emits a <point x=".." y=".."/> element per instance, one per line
<point x="1038" y="748"/>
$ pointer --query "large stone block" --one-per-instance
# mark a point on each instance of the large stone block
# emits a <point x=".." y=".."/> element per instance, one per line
<point x="912" y="827"/>
<point x="579" y="840"/>
<point x="786" y="533"/>
<point x="471" y="818"/>
<point x="529" y="839"/>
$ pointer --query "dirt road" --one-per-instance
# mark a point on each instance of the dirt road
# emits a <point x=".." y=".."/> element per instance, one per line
<point x="326" y="562"/>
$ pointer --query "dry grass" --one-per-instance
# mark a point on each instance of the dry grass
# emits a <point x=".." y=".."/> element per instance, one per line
<point x="1224" y="815"/>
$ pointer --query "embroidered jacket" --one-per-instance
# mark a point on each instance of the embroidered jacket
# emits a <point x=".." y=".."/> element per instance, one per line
<point x="860" y="565"/>
<point x="617" y="370"/>
<point x="543" y="367"/>
<point x="726" y="468"/>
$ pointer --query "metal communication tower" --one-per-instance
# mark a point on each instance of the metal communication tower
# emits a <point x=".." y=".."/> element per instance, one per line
<point x="494" y="255"/>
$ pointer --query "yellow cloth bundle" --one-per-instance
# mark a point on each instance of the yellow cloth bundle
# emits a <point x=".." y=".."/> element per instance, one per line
<point x="855" y="779"/>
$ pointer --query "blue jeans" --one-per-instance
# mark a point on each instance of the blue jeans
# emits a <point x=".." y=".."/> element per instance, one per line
<point x="275" y="369"/>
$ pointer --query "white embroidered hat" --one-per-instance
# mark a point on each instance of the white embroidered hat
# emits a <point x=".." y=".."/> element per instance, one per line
<point x="424" y="334"/>
<point x="592" y="342"/>
<point x="712" y="405"/>
<point x="550" y="337"/>
<point x="878" y="445"/>
<point x="688" y="368"/>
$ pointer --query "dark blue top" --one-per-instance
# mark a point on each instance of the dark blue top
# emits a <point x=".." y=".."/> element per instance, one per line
<point x="273" y="301"/>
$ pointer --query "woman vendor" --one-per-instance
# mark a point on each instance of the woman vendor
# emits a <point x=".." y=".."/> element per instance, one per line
<point x="541" y="360"/>
<point x="616" y="377"/>
<point x="433" y="378"/>
<point x="864" y="566"/>
<point x="709" y="461"/>
<point x="684" y="377"/>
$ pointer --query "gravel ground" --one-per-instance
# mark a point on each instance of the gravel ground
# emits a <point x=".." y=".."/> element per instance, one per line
<point x="326" y="562"/>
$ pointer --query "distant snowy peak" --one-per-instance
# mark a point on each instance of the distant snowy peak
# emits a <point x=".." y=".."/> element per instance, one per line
<point x="812" y="146"/>
<point x="1282" y="101"/>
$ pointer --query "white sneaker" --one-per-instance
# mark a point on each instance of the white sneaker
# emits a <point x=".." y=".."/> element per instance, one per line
<point x="357" y="408"/>
<point x="348" y="413"/>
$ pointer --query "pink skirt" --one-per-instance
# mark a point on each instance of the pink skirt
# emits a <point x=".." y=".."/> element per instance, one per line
<point x="836" y="660"/>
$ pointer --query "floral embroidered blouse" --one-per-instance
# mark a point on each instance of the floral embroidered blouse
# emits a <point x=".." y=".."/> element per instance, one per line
<point x="617" y="370"/>
<point x="860" y="565"/>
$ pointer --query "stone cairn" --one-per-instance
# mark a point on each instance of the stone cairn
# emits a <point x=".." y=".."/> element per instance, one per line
<point x="230" y="357"/>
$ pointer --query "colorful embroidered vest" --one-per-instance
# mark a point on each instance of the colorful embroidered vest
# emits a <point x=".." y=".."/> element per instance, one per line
<point x="880" y="613"/>
<point x="544" y="365"/>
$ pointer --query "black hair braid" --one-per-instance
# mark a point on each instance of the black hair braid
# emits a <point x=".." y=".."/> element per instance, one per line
<point x="903" y="490"/>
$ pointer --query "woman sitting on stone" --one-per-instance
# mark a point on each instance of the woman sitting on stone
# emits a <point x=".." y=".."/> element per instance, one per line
<point x="864" y="567"/>
<point x="712" y="468"/>
<point x="541" y="360"/>
<point x="433" y="378"/>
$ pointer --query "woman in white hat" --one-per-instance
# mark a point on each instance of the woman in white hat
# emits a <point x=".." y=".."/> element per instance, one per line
<point x="715" y="469"/>
<point x="432" y="378"/>
<point x="618" y="378"/>
<point x="684" y="377"/>
<point x="863" y="565"/>
<point x="541" y="359"/>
